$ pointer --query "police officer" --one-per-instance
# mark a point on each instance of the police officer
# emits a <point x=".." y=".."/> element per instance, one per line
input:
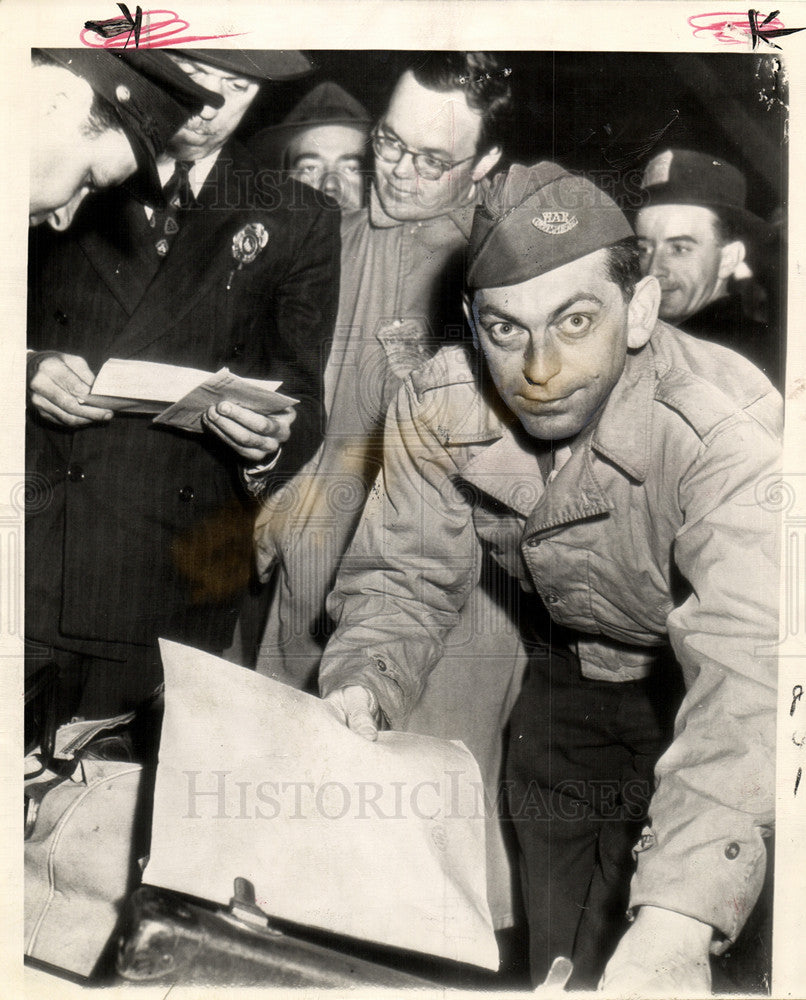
<point x="101" y="115"/>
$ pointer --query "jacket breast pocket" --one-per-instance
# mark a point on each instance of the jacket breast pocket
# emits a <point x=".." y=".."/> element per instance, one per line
<point x="629" y="601"/>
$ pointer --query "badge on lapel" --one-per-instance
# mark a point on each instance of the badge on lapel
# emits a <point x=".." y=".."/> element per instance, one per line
<point x="247" y="244"/>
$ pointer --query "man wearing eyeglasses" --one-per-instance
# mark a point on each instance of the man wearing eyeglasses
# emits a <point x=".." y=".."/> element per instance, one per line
<point x="402" y="256"/>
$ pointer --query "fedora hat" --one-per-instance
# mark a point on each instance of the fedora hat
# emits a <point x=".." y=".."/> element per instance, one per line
<point x="326" y="104"/>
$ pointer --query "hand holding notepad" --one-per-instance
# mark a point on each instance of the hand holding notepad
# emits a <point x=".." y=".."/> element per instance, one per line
<point x="179" y="396"/>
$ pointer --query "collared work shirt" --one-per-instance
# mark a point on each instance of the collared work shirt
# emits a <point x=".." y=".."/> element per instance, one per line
<point x="400" y="301"/>
<point x="654" y="531"/>
<point x="396" y="278"/>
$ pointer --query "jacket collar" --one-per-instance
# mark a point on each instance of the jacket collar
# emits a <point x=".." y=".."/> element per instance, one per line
<point x="507" y="470"/>
<point x="623" y="433"/>
<point x="462" y="217"/>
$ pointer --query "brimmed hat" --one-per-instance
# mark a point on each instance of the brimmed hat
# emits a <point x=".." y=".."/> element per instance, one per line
<point x="535" y="219"/>
<point x="685" y="177"/>
<point x="326" y="104"/>
<point x="262" y="64"/>
<point x="152" y="96"/>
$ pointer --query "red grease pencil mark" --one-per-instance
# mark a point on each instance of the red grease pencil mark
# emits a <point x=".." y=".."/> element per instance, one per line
<point x="739" y="27"/>
<point x="158" y="29"/>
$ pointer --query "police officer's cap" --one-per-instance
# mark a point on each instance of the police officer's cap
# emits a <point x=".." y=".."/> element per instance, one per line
<point x="260" y="64"/>
<point x="152" y="96"/>
<point x="687" y="177"/>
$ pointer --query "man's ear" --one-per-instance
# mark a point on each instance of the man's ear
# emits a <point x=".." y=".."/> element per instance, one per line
<point x="467" y="305"/>
<point x="486" y="164"/>
<point x="730" y="257"/>
<point x="642" y="312"/>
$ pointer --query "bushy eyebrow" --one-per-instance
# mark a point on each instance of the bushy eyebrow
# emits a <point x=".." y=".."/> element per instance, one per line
<point x="671" y="239"/>
<point x="491" y="312"/>
<point x="431" y="150"/>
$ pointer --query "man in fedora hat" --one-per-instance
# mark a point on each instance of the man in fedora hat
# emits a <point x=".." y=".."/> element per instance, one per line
<point x="102" y="116"/>
<point x="322" y="141"/>
<point x="616" y="470"/>
<point x="696" y="236"/>
<point x="147" y="530"/>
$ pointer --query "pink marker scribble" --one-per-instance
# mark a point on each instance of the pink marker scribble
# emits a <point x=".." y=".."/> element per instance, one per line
<point x="730" y="27"/>
<point x="159" y="28"/>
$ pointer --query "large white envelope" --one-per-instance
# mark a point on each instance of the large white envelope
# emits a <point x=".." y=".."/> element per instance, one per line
<point x="381" y="841"/>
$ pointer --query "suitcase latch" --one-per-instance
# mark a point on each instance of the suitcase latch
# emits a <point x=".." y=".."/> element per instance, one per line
<point x="243" y="905"/>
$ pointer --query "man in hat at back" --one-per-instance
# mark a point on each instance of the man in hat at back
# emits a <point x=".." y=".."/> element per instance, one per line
<point x="146" y="531"/>
<point x="696" y="237"/>
<point x="102" y="115"/>
<point x="322" y="142"/>
<point x="616" y="469"/>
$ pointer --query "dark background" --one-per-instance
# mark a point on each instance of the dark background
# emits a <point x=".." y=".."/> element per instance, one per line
<point x="605" y="112"/>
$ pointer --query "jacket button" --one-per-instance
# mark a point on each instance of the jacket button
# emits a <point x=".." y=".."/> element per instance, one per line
<point x="60" y="317"/>
<point x="238" y="350"/>
<point x="186" y="494"/>
<point x="732" y="851"/>
<point x="75" y="473"/>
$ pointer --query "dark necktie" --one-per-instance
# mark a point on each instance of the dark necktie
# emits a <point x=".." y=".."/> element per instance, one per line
<point x="177" y="195"/>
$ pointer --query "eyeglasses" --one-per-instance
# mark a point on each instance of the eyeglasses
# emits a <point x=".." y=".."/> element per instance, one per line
<point x="428" y="166"/>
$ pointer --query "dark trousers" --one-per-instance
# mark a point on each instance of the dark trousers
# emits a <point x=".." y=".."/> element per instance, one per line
<point x="580" y="775"/>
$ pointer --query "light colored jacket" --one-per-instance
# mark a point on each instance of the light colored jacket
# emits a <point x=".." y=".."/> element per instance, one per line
<point x="655" y="531"/>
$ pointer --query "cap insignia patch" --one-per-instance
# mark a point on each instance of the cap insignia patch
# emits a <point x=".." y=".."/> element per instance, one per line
<point x="555" y="223"/>
<point x="657" y="170"/>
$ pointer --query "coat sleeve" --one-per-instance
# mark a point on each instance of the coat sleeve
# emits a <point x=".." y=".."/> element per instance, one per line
<point x="411" y="566"/>
<point x="302" y="330"/>
<point x="703" y="854"/>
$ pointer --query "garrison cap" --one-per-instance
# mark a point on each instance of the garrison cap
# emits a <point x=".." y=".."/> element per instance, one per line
<point x="535" y="219"/>
<point x="151" y="95"/>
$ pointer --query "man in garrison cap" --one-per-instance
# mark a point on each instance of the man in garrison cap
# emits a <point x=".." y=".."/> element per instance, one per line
<point x="322" y="141"/>
<point x="616" y="468"/>
<point x="102" y="115"/>
<point x="697" y="237"/>
<point x="146" y="531"/>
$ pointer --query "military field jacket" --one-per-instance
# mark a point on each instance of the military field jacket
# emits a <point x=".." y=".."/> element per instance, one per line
<point x="656" y="531"/>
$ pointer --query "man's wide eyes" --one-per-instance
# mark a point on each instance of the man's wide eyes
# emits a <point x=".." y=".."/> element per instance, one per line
<point x="502" y="330"/>
<point x="575" y="324"/>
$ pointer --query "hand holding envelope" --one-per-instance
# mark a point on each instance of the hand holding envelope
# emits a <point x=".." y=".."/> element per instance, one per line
<point x="247" y="414"/>
<point x="255" y="436"/>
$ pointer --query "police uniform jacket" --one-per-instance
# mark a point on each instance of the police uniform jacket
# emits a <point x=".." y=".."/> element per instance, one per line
<point x="658" y="529"/>
<point x="136" y="530"/>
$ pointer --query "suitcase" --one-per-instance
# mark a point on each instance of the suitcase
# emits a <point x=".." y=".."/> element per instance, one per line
<point x="171" y="939"/>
